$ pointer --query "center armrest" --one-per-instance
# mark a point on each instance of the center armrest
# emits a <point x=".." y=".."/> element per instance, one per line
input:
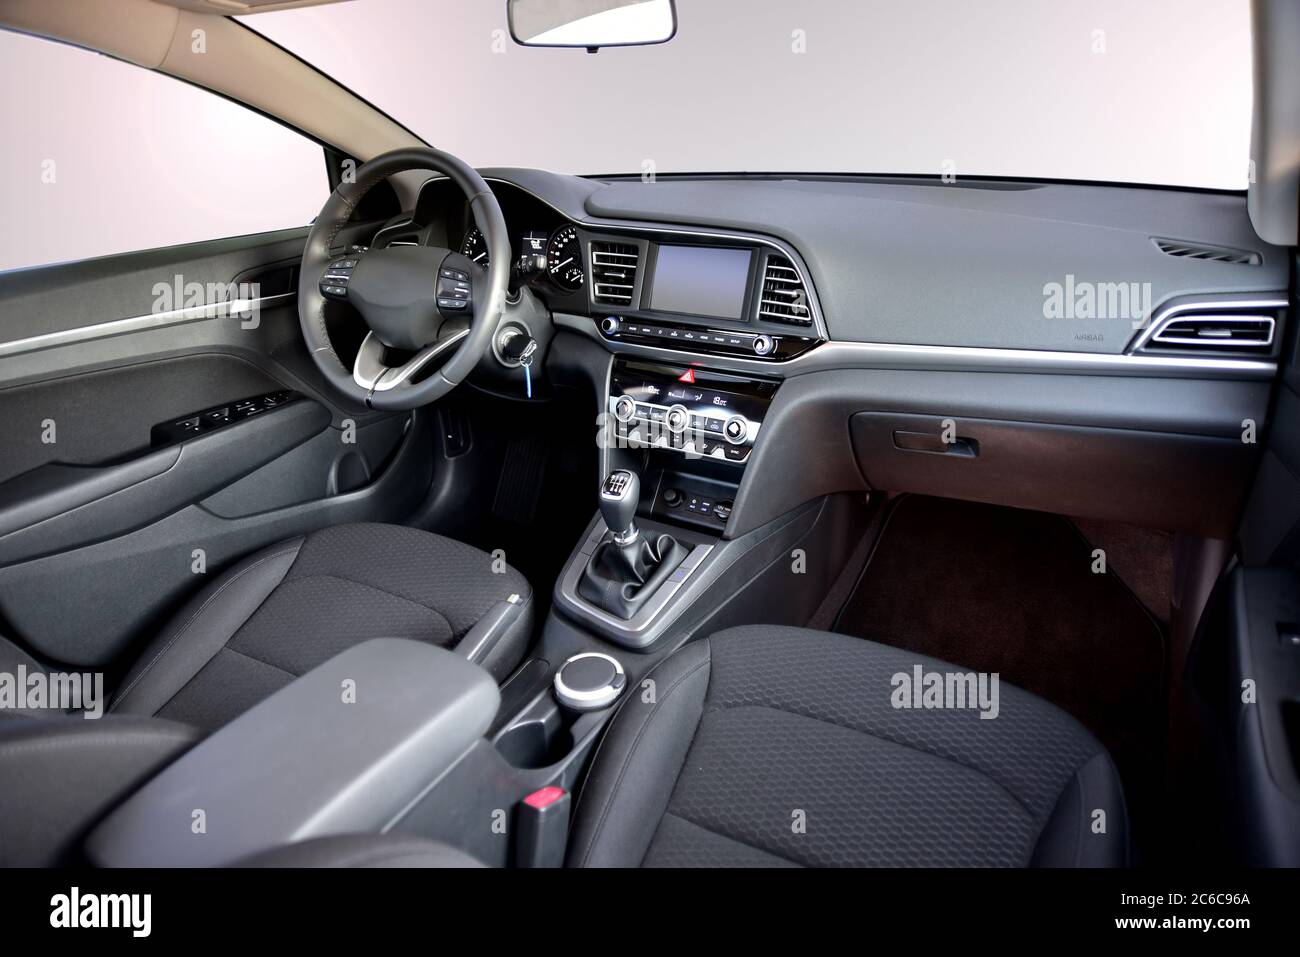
<point x="343" y="749"/>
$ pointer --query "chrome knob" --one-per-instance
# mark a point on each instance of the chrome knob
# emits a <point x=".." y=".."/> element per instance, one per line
<point x="624" y="409"/>
<point x="736" y="429"/>
<point x="764" y="345"/>
<point x="677" y="418"/>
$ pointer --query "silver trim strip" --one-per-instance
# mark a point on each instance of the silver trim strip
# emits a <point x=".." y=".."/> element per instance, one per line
<point x="887" y="355"/>
<point x="121" y="327"/>
<point x="626" y="632"/>
<point x="369" y="371"/>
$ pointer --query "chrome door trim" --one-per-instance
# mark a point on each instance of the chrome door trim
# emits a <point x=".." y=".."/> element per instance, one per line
<point x="121" y="327"/>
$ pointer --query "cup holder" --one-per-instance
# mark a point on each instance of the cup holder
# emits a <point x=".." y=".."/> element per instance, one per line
<point x="535" y="743"/>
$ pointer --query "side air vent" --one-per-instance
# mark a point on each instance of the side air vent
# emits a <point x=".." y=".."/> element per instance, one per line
<point x="1215" y="332"/>
<point x="784" y="298"/>
<point x="613" y="272"/>
<point x="1217" y="254"/>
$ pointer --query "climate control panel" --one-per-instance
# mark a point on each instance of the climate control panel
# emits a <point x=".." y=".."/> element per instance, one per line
<point x="696" y="412"/>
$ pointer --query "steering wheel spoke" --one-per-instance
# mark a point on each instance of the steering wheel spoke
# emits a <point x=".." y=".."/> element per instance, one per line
<point x="371" y="373"/>
<point x="334" y="280"/>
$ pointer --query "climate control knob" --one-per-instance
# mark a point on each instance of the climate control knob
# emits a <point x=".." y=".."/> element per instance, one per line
<point x="736" y="429"/>
<point x="624" y="409"/>
<point x="677" y="418"/>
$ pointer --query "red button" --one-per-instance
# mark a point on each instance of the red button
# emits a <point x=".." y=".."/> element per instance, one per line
<point x="687" y="376"/>
<point x="544" y="798"/>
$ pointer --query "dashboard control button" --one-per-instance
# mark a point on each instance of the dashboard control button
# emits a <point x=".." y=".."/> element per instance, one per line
<point x="609" y="326"/>
<point x="764" y="345"/>
<point x="624" y="409"/>
<point x="678" y="418"/>
<point x="713" y="425"/>
<point x="735" y="430"/>
<point x="737" y="453"/>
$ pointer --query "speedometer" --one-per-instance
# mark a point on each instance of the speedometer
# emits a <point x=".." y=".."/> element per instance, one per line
<point x="564" y="259"/>
<point x="474" y="248"/>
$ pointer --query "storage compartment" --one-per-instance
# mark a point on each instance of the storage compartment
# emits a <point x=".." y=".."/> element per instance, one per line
<point x="1156" y="479"/>
<point x="344" y="749"/>
<point x="538" y="738"/>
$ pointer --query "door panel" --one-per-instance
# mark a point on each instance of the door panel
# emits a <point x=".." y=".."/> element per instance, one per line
<point x="102" y="514"/>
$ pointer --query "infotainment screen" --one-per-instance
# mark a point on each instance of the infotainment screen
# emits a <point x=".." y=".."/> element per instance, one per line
<point x="701" y="281"/>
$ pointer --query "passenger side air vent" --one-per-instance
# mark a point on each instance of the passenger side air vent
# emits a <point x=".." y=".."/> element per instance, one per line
<point x="613" y="272"/>
<point x="1218" y="254"/>
<point x="1215" y="332"/>
<point x="784" y="298"/>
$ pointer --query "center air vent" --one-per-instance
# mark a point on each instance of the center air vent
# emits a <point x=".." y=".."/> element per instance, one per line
<point x="1218" y="254"/>
<point x="784" y="298"/>
<point x="613" y="272"/>
<point x="1215" y="332"/>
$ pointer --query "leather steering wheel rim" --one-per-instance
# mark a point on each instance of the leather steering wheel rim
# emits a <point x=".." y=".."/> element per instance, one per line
<point x="489" y="295"/>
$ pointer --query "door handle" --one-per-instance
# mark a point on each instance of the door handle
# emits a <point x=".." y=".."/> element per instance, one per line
<point x="934" y="444"/>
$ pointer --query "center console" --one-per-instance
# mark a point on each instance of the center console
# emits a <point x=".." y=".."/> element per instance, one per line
<point x="696" y="429"/>
<point x="676" y="441"/>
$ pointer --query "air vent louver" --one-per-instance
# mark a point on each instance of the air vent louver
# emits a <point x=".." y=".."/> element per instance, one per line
<point x="1218" y="254"/>
<point x="1215" y="332"/>
<point x="784" y="298"/>
<point x="613" y="272"/>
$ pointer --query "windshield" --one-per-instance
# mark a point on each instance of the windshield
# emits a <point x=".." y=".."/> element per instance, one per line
<point x="1151" y="92"/>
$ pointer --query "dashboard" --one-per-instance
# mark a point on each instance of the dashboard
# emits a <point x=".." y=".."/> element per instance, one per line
<point x="709" y="294"/>
<point x="833" y="327"/>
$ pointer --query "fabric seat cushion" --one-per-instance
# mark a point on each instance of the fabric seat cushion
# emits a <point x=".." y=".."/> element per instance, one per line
<point x="286" y="609"/>
<point x="774" y="746"/>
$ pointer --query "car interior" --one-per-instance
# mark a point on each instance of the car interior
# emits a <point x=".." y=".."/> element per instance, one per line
<point x="510" y="517"/>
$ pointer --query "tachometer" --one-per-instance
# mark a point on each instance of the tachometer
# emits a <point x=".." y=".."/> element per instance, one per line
<point x="564" y="259"/>
<point x="474" y="248"/>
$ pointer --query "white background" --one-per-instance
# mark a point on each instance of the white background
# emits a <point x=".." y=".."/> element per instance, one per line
<point x="993" y="87"/>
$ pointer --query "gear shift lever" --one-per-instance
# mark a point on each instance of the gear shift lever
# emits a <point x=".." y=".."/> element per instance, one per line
<point x="619" y="495"/>
<point x="621" y="574"/>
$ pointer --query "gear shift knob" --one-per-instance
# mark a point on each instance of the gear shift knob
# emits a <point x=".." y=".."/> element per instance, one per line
<point x="619" y="494"/>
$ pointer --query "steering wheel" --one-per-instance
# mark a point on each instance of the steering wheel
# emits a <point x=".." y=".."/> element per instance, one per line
<point x="420" y="302"/>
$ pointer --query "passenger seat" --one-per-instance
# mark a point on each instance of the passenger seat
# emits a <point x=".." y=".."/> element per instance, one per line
<point x="775" y="746"/>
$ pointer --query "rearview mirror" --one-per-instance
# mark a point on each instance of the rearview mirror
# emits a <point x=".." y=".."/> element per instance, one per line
<point x="591" y="23"/>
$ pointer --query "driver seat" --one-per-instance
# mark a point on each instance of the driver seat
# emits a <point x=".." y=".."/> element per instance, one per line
<point x="286" y="609"/>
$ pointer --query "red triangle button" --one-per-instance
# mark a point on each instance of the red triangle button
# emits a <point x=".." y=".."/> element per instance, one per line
<point x="687" y="376"/>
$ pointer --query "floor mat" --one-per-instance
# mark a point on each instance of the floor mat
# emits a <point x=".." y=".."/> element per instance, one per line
<point x="1011" y="591"/>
